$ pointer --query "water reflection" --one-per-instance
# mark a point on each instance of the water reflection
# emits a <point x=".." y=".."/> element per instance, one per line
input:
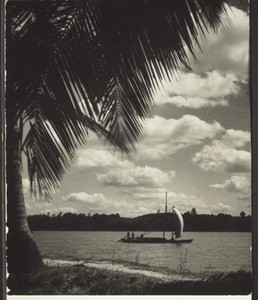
<point x="224" y="251"/>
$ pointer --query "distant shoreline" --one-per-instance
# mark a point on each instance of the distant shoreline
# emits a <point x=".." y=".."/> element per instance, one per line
<point x="150" y="222"/>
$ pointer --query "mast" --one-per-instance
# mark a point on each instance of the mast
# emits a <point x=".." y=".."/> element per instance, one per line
<point x="166" y="210"/>
<point x="172" y="232"/>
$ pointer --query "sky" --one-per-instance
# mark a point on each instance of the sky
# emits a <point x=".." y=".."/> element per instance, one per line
<point x="196" y="145"/>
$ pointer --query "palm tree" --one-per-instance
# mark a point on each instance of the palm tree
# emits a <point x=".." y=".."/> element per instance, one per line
<point x="81" y="66"/>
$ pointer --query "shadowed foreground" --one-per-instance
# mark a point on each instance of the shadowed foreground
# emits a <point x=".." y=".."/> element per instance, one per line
<point x="81" y="280"/>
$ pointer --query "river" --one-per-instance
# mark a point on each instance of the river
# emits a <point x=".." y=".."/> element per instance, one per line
<point x="209" y="251"/>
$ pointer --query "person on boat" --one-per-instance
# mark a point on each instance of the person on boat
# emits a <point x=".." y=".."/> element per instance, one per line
<point x="128" y="234"/>
<point x="141" y="236"/>
<point x="132" y="235"/>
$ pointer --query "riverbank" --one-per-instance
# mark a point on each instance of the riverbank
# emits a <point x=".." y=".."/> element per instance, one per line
<point x="105" y="278"/>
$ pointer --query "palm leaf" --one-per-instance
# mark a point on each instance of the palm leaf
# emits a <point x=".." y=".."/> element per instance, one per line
<point x="79" y="65"/>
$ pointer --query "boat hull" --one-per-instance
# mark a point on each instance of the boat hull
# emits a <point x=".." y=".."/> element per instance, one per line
<point x="154" y="241"/>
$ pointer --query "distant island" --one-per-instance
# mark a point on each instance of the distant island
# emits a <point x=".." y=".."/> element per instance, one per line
<point x="149" y="222"/>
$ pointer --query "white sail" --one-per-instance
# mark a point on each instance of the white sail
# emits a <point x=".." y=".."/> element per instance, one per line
<point x="179" y="223"/>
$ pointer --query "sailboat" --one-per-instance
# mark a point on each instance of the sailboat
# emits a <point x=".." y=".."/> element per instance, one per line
<point x="177" y="233"/>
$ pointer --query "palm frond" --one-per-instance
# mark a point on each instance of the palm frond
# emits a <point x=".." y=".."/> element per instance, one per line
<point x="48" y="154"/>
<point x="75" y="66"/>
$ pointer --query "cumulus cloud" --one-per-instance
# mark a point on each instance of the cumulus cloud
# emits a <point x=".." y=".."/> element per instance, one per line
<point x="191" y="102"/>
<point x="233" y="139"/>
<point x="222" y="65"/>
<point x="186" y="202"/>
<point x="198" y="91"/>
<point x="85" y="198"/>
<point x="228" y="49"/>
<point x="143" y="200"/>
<point x="153" y="199"/>
<point x="217" y="158"/>
<point x="135" y="176"/>
<point x="90" y="158"/>
<point x="211" y="85"/>
<point x="99" y="203"/>
<point x="223" y="153"/>
<point x="240" y="185"/>
<point x="167" y="136"/>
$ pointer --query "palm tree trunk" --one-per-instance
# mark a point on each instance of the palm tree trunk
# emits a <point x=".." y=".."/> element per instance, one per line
<point x="22" y="252"/>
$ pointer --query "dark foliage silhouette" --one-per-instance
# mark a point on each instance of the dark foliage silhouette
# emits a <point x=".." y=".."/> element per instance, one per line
<point x="80" y="66"/>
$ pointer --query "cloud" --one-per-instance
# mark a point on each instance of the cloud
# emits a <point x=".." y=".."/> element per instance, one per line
<point x="143" y="201"/>
<point x="198" y="91"/>
<point x="85" y="198"/>
<point x="165" y="137"/>
<point x="145" y="193"/>
<point x="150" y="193"/>
<point x="154" y="199"/>
<point x="34" y="207"/>
<point x="222" y="63"/>
<point x="90" y="158"/>
<point x="202" y="206"/>
<point x="240" y="185"/>
<point x="140" y="200"/>
<point x="192" y="102"/>
<point x="186" y="203"/>
<point x="99" y="203"/>
<point x="227" y="50"/>
<point x="220" y="208"/>
<point x="31" y="196"/>
<point x="233" y="139"/>
<point x="135" y="176"/>
<point x="211" y="85"/>
<point x="217" y="158"/>
<point x="223" y="154"/>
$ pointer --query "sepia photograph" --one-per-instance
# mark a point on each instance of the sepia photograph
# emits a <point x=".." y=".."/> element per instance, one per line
<point x="128" y="148"/>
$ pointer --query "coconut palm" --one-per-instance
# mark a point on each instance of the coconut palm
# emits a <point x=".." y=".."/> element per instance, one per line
<point x="81" y="66"/>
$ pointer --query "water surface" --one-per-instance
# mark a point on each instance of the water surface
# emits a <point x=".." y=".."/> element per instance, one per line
<point x="209" y="251"/>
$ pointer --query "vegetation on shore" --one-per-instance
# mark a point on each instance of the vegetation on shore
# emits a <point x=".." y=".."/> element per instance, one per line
<point x="81" y="280"/>
<point x="76" y="67"/>
<point x="151" y="222"/>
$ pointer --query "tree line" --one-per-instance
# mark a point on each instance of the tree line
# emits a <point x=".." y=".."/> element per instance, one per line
<point x="76" y="67"/>
<point x="150" y="222"/>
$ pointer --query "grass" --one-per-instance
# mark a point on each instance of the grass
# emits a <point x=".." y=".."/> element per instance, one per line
<point x="77" y="280"/>
<point x="233" y="283"/>
<point x="81" y="280"/>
